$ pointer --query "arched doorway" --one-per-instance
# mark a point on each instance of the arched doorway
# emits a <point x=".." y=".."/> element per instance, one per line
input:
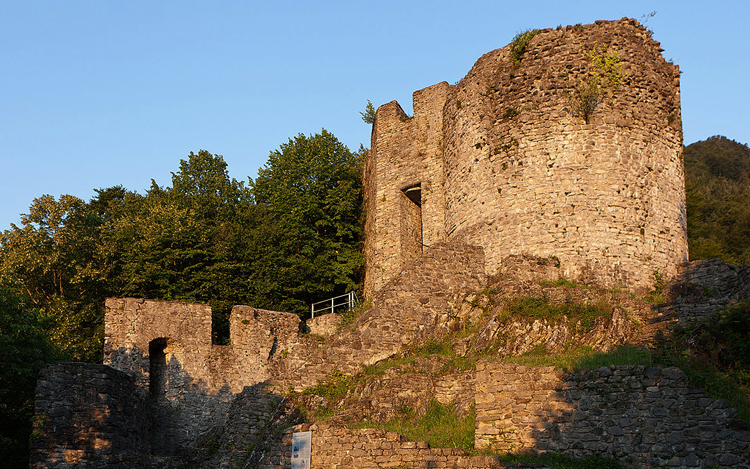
<point x="157" y="367"/>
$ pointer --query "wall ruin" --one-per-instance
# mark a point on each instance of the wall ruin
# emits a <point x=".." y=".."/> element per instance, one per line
<point x="190" y="383"/>
<point x="501" y="161"/>
<point x="485" y="172"/>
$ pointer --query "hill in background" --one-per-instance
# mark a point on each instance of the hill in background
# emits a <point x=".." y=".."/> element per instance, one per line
<point x="717" y="180"/>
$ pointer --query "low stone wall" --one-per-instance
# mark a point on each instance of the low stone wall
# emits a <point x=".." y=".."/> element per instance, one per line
<point x="88" y="416"/>
<point x="325" y="325"/>
<point x="649" y="417"/>
<point x="334" y="446"/>
<point x="705" y="287"/>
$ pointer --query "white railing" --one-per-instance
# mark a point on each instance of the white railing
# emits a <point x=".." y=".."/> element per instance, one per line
<point x="349" y="300"/>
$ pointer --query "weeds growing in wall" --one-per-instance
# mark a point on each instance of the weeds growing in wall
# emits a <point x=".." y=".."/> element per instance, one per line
<point x="605" y="76"/>
<point x="586" y="358"/>
<point x="520" y="43"/>
<point x="440" y="426"/>
<point x="581" y="316"/>
<point x="350" y="316"/>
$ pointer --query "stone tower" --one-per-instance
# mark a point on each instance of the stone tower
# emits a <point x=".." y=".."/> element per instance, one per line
<point x="507" y="160"/>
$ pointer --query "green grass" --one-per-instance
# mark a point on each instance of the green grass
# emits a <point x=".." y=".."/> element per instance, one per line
<point x="440" y="426"/>
<point x="564" y="282"/>
<point x="381" y="367"/>
<point x="576" y="312"/>
<point x="586" y="358"/>
<point x="334" y="386"/>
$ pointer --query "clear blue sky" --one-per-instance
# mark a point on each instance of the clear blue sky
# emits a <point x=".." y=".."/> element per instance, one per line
<point x="105" y="92"/>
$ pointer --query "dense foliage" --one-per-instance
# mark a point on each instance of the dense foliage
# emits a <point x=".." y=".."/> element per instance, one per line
<point x="24" y="348"/>
<point x="717" y="179"/>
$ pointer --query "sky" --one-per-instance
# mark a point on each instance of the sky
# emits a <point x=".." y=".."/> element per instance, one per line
<point x="100" y="93"/>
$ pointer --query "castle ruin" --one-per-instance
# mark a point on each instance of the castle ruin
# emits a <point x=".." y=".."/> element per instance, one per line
<point x="501" y="174"/>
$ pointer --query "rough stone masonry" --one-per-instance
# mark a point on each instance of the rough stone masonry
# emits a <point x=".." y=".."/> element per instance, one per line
<point x="502" y="160"/>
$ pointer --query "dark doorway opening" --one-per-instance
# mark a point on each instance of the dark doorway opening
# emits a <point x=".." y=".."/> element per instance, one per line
<point x="157" y="367"/>
<point x="411" y="222"/>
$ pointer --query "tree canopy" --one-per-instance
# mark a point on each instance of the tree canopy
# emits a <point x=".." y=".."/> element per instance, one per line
<point x="312" y="188"/>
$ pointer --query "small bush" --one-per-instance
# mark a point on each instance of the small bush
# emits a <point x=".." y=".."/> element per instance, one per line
<point x="510" y="113"/>
<point x="334" y="386"/>
<point x="606" y="75"/>
<point x="585" y="97"/>
<point x="519" y="44"/>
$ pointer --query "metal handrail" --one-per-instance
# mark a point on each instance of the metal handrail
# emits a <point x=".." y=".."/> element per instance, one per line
<point x="350" y="301"/>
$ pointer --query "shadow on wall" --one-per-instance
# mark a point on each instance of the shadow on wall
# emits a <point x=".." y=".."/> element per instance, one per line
<point x="646" y="416"/>
<point x="95" y="414"/>
<point x="182" y="407"/>
<point x="88" y="413"/>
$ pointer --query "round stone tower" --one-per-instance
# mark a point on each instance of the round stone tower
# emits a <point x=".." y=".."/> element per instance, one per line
<point x="570" y="149"/>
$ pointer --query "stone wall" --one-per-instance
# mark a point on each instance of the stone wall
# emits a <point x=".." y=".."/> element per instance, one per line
<point x="334" y="446"/>
<point x="323" y="326"/>
<point x="412" y="308"/>
<point x="649" y="417"/>
<point x="404" y="185"/>
<point x="524" y="175"/>
<point x="183" y="329"/>
<point x="190" y="383"/>
<point x="88" y="416"/>
<point x="704" y="288"/>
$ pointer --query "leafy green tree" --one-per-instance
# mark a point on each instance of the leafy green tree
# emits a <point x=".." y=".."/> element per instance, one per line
<point x="177" y="243"/>
<point x="312" y="187"/>
<point x="52" y="261"/>
<point x="24" y="348"/>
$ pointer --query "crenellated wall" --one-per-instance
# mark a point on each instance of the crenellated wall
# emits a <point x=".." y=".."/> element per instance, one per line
<point x="519" y="172"/>
<point x="405" y="185"/>
<point x="190" y="383"/>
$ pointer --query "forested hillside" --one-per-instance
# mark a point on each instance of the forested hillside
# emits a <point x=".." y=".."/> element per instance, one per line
<point x="717" y="180"/>
<point x="288" y="238"/>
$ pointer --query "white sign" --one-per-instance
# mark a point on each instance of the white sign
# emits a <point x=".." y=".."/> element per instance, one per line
<point x="301" y="446"/>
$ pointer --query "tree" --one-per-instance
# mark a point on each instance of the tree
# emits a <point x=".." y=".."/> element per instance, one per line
<point x="52" y="261"/>
<point x="24" y="348"/>
<point x="369" y="115"/>
<point x="177" y="243"/>
<point x="312" y="187"/>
